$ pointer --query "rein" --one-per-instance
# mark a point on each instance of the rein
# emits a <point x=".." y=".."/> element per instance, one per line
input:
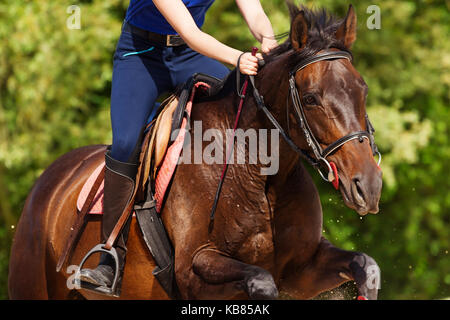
<point x="242" y="95"/>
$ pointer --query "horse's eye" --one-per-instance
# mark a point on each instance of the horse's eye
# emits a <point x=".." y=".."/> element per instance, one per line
<point x="310" y="100"/>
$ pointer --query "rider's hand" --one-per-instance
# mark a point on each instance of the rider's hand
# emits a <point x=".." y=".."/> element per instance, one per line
<point x="268" y="44"/>
<point x="249" y="64"/>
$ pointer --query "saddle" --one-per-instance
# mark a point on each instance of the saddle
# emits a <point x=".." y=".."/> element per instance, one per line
<point x="158" y="159"/>
<point x="157" y="143"/>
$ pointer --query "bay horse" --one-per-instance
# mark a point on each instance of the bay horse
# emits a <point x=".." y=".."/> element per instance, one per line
<point x="267" y="234"/>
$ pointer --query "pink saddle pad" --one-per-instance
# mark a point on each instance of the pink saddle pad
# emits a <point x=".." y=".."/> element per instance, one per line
<point x="97" y="206"/>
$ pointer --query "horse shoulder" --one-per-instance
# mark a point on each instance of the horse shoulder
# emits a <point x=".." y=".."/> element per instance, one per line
<point x="297" y="218"/>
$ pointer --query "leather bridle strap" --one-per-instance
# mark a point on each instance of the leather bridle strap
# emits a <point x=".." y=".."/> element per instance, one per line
<point x="261" y="105"/>
<point x="360" y="135"/>
<point x="321" y="57"/>
<point x="239" y="89"/>
<point x="297" y="101"/>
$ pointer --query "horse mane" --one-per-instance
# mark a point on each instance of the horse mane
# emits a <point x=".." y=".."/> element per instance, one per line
<point x="322" y="27"/>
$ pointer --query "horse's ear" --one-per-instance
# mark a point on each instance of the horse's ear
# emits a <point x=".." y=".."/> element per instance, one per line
<point x="347" y="30"/>
<point x="299" y="32"/>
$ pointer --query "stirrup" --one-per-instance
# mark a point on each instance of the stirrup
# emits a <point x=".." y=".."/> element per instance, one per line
<point x="114" y="290"/>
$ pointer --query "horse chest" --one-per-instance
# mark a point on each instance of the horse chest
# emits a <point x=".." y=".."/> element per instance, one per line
<point x="248" y="233"/>
<point x="250" y="239"/>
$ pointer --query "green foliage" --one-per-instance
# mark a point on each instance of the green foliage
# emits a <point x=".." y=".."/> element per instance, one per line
<point x="54" y="96"/>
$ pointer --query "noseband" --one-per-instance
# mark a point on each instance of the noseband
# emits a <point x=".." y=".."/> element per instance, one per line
<point x="319" y="160"/>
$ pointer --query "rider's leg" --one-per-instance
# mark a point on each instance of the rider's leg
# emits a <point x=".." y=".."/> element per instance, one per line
<point x="134" y="92"/>
<point x="138" y="79"/>
<point x="119" y="186"/>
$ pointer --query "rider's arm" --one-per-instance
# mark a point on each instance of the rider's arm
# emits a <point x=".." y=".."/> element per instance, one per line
<point x="181" y="20"/>
<point x="258" y="23"/>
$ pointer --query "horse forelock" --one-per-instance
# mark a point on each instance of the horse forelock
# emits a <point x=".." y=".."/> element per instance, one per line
<point x="322" y="27"/>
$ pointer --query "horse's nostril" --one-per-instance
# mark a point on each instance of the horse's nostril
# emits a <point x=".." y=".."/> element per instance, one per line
<point x="359" y="188"/>
<point x="358" y="193"/>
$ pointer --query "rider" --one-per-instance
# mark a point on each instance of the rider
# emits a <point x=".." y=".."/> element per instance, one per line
<point x="160" y="47"/>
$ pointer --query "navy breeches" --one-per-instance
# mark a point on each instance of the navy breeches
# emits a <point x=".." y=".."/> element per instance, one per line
<point x="142" y="72"/>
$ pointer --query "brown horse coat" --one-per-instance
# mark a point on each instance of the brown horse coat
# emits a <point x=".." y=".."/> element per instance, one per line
<point x="267" y="235"/>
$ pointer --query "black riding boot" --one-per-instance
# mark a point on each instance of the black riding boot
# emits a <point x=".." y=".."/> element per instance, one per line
<point x="120" y="178"/>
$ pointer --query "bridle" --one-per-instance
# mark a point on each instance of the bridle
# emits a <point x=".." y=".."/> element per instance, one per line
<point x="319" y="160"/>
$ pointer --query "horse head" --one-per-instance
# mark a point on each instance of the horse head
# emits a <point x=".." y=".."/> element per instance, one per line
<point x="327" y="114"/>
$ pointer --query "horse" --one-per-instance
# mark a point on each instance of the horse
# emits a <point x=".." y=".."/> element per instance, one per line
<point x="267" y="236"/>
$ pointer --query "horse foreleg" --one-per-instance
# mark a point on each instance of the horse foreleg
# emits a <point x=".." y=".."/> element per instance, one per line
<point x="329" y="268"/>
<point x="216" y="269"/>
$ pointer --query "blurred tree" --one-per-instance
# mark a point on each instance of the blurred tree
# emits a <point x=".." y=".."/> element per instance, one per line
<point x="54" y="96"/>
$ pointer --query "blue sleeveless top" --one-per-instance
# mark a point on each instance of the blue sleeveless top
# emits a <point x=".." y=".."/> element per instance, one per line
<point x="144" y="14"/>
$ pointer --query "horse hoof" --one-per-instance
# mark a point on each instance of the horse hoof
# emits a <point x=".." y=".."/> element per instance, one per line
<point x="262" y="287"/>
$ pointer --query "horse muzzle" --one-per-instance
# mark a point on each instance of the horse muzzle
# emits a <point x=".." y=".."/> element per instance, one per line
<point x="363" y="191"/>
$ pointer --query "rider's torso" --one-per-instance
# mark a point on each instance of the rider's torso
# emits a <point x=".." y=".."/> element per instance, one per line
<point x="145" y="15"/>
